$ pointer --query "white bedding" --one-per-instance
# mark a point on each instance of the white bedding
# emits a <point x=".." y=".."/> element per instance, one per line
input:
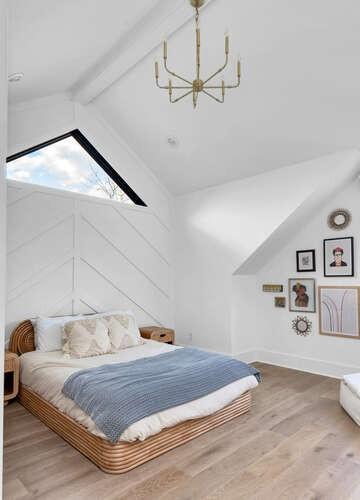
<point x="46" y="372"/>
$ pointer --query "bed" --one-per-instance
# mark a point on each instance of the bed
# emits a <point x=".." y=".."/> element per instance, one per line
<point x="141" y="442"/>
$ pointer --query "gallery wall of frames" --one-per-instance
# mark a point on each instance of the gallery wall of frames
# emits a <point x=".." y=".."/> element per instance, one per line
<point x="310" y="317"/>
<point x="338" y="306"/>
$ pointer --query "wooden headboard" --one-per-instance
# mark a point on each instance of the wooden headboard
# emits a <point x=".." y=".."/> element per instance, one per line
<point x="22" y="338"/>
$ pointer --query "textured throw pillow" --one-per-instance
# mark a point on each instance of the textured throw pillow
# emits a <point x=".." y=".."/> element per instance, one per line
<point x="49" y="331"/>
<point x="123" y="331"/>
<point x="86" y="337"/>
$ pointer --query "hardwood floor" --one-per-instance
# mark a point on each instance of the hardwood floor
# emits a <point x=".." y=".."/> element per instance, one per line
<point x="296" y="443"/>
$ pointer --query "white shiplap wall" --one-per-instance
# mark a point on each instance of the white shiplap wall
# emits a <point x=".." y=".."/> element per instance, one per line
<point x="69" y="253"/>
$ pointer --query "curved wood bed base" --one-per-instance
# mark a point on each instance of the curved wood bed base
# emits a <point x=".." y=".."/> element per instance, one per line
<point x="120" y="457"/>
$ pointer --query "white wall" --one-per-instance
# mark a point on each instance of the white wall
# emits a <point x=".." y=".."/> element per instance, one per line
<point x="70" y="253"/>
<point x="3" y="147"/>
<point x="279" y="343"/>
<point x="219" y="229"/>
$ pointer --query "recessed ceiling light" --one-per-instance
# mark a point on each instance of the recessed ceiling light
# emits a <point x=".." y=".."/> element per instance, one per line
<point x="173" y="141"/>
<point x="15" y="77"/>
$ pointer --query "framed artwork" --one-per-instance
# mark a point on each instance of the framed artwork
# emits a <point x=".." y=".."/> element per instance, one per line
<point x="339" y="311"/>
<point x="302" y="296"/>
<point x="339" y="257"/>
<point x="273" y="288"/>
<point x="305" y="261"/>
<point x="280" y="302"/>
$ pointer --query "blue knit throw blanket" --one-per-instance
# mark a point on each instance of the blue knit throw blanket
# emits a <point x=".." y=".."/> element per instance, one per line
<point x="117" y="395"/>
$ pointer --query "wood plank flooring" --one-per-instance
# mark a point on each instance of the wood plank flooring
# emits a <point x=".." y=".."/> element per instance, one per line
<point x="296" y="443"/>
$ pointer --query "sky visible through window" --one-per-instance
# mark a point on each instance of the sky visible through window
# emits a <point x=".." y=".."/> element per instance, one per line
<point x="66" y="165"/>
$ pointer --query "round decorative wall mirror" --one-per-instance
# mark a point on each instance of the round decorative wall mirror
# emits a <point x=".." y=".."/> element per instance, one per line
<point x="302" y="326"/>
<point x="339" y="219"/>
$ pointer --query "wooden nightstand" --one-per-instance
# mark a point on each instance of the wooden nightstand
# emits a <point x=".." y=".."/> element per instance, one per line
<point x="11" y="376"/>
<point x="158" y="333"/>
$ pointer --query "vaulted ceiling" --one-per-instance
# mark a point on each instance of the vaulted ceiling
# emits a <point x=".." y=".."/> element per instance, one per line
<point x="299" y="97"/>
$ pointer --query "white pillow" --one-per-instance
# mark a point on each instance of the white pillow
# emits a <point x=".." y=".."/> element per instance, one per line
<point x="123" y="331"/>
<point x="48" y="332"/>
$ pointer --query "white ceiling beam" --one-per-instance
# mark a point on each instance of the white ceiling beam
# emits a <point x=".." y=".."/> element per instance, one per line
<point x="163" y="20"/>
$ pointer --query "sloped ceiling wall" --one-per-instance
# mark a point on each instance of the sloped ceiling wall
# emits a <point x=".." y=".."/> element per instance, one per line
<point x="220" y="229"/>
<point x="277" y="342"/>
<point x="299" y="96"/>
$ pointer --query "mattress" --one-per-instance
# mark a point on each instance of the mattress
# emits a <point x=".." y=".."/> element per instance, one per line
<point x="46" y="372"/>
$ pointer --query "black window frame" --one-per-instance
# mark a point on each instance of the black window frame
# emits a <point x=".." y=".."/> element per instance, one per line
<point x="95" y="155"/>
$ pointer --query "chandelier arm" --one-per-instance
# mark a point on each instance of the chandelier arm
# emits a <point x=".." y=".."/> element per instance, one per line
<point x="213" y="97"/>
<point x="166" y="87"/>
<point x="181" y="97"/>
<point x="161" y="86"/>
<point x="235" y="86"/>
<point x="182" y="88"/>
<point x="219" y="70"/>
<point x="174" y="74"/>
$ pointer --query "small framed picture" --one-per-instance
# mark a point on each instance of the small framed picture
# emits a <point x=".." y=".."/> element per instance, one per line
<point x="305" y="261"/>
<point x="339" y="311"/>
<point x="339" y="257"/>
<point x="280" y="302"/>
<point x="302" y="296"/>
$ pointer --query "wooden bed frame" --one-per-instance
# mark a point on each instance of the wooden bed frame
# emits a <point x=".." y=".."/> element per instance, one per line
<point x="120" y="457"/>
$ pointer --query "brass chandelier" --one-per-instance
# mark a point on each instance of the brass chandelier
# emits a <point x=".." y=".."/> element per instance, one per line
<point x="198" y="85"/>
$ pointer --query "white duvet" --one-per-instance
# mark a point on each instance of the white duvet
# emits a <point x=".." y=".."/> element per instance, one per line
<point x="46" y="372"/>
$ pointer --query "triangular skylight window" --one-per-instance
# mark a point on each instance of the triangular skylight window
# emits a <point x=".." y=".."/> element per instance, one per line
<point x="70" y="162"/>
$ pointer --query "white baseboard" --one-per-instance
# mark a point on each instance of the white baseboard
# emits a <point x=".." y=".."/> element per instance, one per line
<point x="303" y="364"/>
<point x="249" y="356"/>
<point x="311" y="365"/>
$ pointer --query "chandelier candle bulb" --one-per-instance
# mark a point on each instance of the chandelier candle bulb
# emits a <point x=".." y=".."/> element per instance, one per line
<point x="165" y="49"/>
<point x="226" y="44"/>
<point x="239" y="69"/>
<point x="156" y="70"/>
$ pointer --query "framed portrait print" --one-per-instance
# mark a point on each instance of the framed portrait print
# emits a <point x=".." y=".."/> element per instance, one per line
<point x="339" y="311"/>
<point x="302" y="296"/>
<point x="305" y="261"/>
<point x="339" y="257"/>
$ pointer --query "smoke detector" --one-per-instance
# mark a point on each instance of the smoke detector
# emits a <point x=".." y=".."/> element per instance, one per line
<point x="173" y="141"/>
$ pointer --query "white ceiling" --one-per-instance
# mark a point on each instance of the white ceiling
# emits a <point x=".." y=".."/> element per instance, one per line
<point x="299" y="97"/>
<point x="55" y="43"/>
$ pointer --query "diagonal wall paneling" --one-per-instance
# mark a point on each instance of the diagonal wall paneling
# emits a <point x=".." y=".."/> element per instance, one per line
<point x="69" y="253"/>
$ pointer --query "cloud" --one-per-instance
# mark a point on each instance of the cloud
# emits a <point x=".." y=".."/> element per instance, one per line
<point x="21" y="175"/>
<point x="63" y="165"/>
